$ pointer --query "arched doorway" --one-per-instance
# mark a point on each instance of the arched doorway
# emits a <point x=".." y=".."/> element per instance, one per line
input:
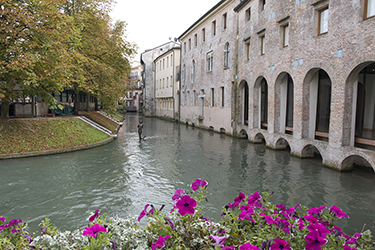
<point x="244" y="102"/>
<point x="317" y="105"/>
<point x="284" y="108"/>
<point x="365" y="107"/>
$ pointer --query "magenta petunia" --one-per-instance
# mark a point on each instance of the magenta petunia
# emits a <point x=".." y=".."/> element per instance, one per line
<point x="338" y="212"/>
<point x="314" y="241"/>
<point x="280" y="244"/>
<point x="219" y="241"/>
<point x="198" y="183"/>
<point x="239" y="198"/>
<point x="323" y="231"/>
<point x="2" y="218"/>
<point x="144" y="212"/>
<point x="178" y="194"/>
<point x="186" y="205"/>
<point x="315" y="210"/>
<point x="246" y="212"/>
<point x="248" y="246"/>
<point x="96" y="214"/>
<point x="254" y="199"/>
<point x="94" y="230"/>
<point x="160" y="242"/>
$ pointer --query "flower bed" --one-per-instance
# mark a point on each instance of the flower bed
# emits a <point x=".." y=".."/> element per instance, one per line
<point x="249" y="223"/>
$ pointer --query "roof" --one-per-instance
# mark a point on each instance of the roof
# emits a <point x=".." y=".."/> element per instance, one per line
<point x="200" y="19"/>
<point x="242" y="3"/>
<point x="173" y="48"/>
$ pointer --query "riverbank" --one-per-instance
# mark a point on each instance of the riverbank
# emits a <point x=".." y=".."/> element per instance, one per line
<point x="44" y="136"/>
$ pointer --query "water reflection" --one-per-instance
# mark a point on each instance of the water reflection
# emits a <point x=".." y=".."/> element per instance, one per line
<point x="121" y="177"/>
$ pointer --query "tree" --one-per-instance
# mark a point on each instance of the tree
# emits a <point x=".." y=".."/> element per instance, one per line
<point x="103" y="51"/>
<point x="33" y="49"/>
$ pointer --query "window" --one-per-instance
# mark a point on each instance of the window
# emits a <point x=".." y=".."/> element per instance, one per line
<point x="163" y="63"/>
<point x="209" y="61"/>
<point x="195" y="40"/>
<point x="167" y="82"/>
<point x="184" y="47"/>
<point x="262" y="4"/>
<point x="248" y="14"/>
<point x="226" y="55"/>
<point x="189" y="44"/>
<point x="188" y="99"/>
<point x="193" y="72"/>
<point x="163" y="82"/>
<point x="203" y="35"/>
<point x="323" y="21"/>
<point x="247" y="45"/>
<point x="262" y="45"/>
<point x="212" y="97"/>
<point x="183" y="74"/>
<point x="214" y="28"/>
<point x="369" y="8"/>
<point x="285" y="35"/>
<point x="171" y="81"/>
<point x="167" y="61"/>
<point x="222" y="97"/>
<point x="225" y="20"/>
<point x="193" y="97"/>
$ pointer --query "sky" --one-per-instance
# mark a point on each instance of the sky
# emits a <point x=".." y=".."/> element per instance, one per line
<point x="152" y="22"/>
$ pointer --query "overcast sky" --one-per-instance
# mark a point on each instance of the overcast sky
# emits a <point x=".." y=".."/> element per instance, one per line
<point x="152" y="22"/>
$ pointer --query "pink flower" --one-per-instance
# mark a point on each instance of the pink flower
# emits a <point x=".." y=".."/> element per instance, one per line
<point x="186" y="205"/>
<point x="338" y="212"/>
<point x="254" y="199"/>
<point x="323" y="231"/>
<point x="160" y="242"/>
<point x="239" y="198"/>
<point x="198" y="183"/>
<point x="96" y="214"/>
<point x="280" y="244"/>
<point x="219" y="241"/>
<point x="144" y="212"/>
<point x="94" y="230"/>
<point x="246" y="212"/>
<point x="314" y="241"/>
<point x="2" y="218"/>
<point x="315" y="210"/>
<point x="178" y="194"/>
<point x="248" y="246"/>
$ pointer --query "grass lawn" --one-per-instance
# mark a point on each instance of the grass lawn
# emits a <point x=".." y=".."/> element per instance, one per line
<point x="28" y="135"/>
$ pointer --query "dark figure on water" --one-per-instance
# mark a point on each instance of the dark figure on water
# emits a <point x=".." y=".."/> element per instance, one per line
<point x="140" y="128"/>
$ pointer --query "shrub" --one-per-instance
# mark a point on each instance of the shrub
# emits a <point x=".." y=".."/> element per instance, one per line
<point x="250" y="222"/>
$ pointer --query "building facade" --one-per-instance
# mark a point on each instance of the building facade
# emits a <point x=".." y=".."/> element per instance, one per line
<point x="148" y="76"/>
<point x="167" y="83"/>
<point x="300" y="75"/>
<point x="133" y="99"/>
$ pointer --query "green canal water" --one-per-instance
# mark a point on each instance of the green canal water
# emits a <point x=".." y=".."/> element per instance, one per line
<point x="121" y="177"/>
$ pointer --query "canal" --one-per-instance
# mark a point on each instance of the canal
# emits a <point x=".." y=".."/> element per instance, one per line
<point x="121" y="177"/>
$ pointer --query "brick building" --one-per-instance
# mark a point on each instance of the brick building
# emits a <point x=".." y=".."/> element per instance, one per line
<point x="293" y="74"/>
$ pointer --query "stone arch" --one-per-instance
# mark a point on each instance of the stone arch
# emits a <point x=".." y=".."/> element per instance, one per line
<point x="260" y="103"/>
<point x="316" y="104"/>
<point x="310" y="151"/>
<point x="222" y="130"/>
<point x="284" y="103"/>
<point x="353" y="98"/>
<point x="282" y="143"/>
<point x="243" y="134"/>
<point x="259" y="138"/>
<point x="351" y="160"/>
<point x="211" y="128"/>
<point x="243" y="102"/>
